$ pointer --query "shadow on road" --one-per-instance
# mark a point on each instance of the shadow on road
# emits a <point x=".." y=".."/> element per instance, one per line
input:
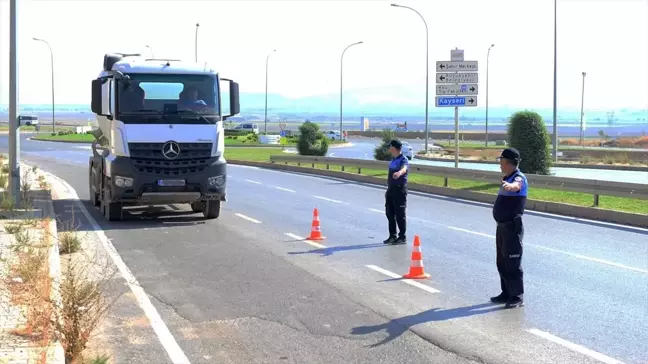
<point x="324" y="252"/>
<point x="398" y="326"/>
<point x="71" y="217"/>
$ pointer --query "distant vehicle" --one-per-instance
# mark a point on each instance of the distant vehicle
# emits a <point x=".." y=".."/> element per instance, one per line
<point x="28" y="120"/>
<point x="252" y="128"/>
<point x="333" y="134"/>
<point x="407" y="151"/>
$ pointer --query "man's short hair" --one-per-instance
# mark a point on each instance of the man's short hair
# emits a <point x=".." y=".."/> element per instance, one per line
<point x="396" y="144"/>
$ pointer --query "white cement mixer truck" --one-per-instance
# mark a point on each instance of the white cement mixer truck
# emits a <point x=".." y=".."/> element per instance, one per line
<point x="160" y="139"/>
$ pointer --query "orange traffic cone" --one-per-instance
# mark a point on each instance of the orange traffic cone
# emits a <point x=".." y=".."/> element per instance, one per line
<point x="316" y="231"/>
<point x="416" y="270"/>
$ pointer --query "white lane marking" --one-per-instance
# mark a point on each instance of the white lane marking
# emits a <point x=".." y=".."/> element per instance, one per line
<point x="575" y="347"/>
<point x="376" y="210"/>
<point x="408" y="281"/>
<point x="161" y="330"/>
<point x="297" y="237"/>
<point x="328" y="199"/>
<point x="84" y="147"/>
<point x="574" y="255"/>
<point x="251" y="181"/>
<point x="285" y="189"/>
<point x="471" y="232"/>
<point x="247" y="218"/>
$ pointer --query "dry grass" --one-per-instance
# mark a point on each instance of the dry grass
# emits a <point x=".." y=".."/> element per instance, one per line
<point x="638" y="142"/>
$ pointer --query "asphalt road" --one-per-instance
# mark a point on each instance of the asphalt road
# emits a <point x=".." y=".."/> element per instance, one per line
<point x="240" y="290"/>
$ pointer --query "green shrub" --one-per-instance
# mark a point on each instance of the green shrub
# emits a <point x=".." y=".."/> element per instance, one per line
<point x="381" y="152"/>
<point x="311" y="140"/>
<point x="528" y="134"/>
<point x="235" y="132"/>
<point x="253" y="137"/>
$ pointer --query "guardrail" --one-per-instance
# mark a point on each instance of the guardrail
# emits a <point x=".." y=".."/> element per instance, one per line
<point x="594" y="187"/>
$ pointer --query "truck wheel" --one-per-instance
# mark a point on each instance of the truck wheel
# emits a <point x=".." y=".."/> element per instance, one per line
<point x="94" y="197"/>
<point x="212" y="209"/>
<point x="112" y="211"/>
<point x="196" y="206"/>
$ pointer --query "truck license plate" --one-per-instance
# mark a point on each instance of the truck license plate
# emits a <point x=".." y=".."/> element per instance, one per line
<point x="171" y="182"/>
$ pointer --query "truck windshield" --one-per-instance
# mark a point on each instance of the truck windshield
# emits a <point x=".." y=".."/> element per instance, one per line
<point x="177" y="99"/>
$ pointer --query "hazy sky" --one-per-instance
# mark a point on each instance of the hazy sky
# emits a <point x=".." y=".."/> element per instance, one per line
<point x="608" y="39"/>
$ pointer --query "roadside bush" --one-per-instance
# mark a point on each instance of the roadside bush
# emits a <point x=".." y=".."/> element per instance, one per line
<point x="381" y="152"/>
<point x="253" y="137"/>
<point x="311" y="140"/>
<point x="235" y="132"/>
<point x="528" y="134"/>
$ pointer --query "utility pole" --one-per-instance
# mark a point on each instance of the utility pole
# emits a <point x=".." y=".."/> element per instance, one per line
<point x="555" y="84"/>
<point x="196" y="42"/>
<point x="487" y="63"/>
<point x="52" y="66"/>
<point x="341" y="68"/>
<point x="582" y="130"/>
<point x="265" y="119"/>
<point x="14" y="127"/>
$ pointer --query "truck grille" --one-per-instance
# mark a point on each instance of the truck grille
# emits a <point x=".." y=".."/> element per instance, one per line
<point x="148" y="158"/>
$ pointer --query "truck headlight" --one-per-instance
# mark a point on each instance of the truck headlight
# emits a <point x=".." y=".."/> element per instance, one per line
<point x="123" y="181"/>
<point x="216" y="181"/>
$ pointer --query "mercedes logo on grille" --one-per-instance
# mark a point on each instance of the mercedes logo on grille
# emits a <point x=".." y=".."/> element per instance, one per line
<point x="171" y="150"/>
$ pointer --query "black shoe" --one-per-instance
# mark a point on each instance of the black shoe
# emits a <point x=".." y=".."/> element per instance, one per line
<point x="389" y="240"/>
<point x="502" y="298"/>
<point x="399" y="241"/>
<point x="514" y="302"/>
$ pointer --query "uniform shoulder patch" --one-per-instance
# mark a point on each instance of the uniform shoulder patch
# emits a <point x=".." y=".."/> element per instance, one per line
<point x="518" y="179"/>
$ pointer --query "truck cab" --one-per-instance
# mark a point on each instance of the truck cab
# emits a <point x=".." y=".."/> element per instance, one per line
<point x="160" y="138"/>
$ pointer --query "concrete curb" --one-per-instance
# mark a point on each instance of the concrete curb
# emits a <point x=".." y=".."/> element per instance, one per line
<point x="562" y="165"/>
<point x="590" y="213"/>
<point x="55" y="353"/>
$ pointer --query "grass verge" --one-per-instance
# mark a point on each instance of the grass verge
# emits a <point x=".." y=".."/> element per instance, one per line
<point x="573" y="198"/>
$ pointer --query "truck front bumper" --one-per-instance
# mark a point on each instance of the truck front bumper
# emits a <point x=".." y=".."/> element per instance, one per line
<point x="130" y="186"/>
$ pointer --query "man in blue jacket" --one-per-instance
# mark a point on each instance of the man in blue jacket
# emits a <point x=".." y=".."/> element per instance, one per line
<point x="396" y="195"/>
<point x="507" y="212"/>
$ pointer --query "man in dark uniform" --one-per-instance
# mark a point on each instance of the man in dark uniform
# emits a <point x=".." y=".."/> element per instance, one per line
<point x="507" y="212"/>
<point x="396" y="195"/>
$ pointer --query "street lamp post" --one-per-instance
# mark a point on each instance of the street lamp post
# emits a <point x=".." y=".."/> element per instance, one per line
<point x="196" y="42"/>
<point x="427" y="64"/>
<point x="555" y="84"/>
<point x="341" y="68"/>
<point x="487" y="62"/>
<point x="265" y="128"/>
<point x="582" y="130"/>
<point x="52" y="65"/>
<point x="151" y="49"/>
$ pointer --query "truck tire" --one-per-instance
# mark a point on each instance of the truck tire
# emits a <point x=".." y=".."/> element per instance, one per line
<point x="94" y="197"/>
<point x="196" y="206"/>
<point x="212" y="209"/>
<point x="112" y="211"/>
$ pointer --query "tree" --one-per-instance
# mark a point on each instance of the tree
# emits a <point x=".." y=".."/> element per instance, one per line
<point x="528" y="134"/>
<point x="381" y="152"/>
<point x="311" y="140"/>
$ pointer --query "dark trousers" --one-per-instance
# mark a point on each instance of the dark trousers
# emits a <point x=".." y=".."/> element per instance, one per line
<point x="508" y="240"/>
<point x="395" y="206"/>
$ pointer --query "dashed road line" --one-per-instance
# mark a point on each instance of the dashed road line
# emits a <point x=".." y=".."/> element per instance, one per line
<point x="247" y="218"/>
<point x="309" y="242"/>
<point x="408" y="281"/>
<point x="285" y="189"/>
<point x="376" y="210"/>
<point x="327" y="199"/>
<point x="575" y="347"/>
<point x="573" y="255"/>
<point x="251" y="181"/>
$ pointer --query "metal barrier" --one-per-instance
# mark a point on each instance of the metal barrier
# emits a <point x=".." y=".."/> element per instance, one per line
<point x="594" y="187"/>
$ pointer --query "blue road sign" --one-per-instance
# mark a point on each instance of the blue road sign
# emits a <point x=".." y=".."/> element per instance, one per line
<point x="453" y="101"/>
<point x="282" y="134"/>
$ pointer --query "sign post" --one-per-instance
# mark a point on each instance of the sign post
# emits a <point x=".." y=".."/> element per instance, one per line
<point x="457" y="86"/>
<point x="14" y="127"/>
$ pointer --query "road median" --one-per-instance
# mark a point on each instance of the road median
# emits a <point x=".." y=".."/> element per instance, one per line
<point x="626" y="211"/>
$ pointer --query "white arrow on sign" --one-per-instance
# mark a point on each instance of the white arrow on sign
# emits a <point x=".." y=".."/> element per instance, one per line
<point x="467" y="77"/>
<point x="449" y="66"/>
<point x="459" y="89"/>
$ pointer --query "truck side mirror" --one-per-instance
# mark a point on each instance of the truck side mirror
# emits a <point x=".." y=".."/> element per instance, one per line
<point x="235" y="106"/>
<point x="96" y="96"/>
